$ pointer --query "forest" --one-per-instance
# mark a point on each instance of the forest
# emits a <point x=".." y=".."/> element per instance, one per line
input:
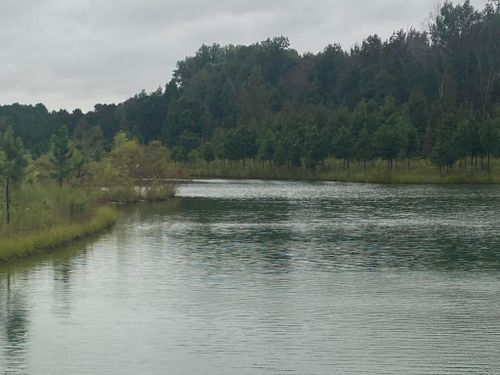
<point x="420" y="95"/>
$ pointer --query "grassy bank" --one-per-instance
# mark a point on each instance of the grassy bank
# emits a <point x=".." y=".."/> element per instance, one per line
<point x="22" y="244"/>
<point x="419" y="172"/>
<point x="45" y="215"/>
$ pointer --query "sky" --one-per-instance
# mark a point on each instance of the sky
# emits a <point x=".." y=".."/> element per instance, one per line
<point x="76" y="53"/>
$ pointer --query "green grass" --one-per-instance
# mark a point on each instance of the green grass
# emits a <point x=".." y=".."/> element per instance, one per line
<point x="419" y="172"/>
<point x="23" y="244"/>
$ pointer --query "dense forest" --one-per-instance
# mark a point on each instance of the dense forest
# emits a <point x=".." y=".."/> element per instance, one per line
<point x="431" y="94"/>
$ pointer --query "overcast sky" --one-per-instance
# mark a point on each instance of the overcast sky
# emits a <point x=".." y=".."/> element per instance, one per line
<point x="75" y="53"/>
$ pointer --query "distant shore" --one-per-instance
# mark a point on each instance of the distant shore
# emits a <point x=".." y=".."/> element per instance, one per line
<point x="419" y="172"/>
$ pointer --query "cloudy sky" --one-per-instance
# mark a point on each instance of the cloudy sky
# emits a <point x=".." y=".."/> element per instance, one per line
<point x="75" y="53"/>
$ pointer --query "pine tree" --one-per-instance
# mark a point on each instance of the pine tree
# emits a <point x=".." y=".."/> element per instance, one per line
<point x="13" y="164"/>
<point x="61" y="155"/>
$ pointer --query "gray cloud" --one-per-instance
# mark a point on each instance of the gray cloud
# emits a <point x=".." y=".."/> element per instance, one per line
<point x="73" y="54"/>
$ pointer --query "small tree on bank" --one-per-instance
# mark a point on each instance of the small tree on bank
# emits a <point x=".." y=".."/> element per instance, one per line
<point x="13" y="163"/>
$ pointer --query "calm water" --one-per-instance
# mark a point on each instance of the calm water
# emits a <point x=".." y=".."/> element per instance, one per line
<point x="266" y="278"/>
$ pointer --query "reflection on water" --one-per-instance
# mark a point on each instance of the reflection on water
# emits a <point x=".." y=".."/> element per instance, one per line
<point x="268" y="277"/>
<point x="13" y="315"/>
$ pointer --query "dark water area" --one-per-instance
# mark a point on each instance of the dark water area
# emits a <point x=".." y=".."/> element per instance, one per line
<point x="252" y="277"/>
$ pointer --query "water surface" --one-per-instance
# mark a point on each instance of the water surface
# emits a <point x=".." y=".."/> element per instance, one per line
<point x="252" y="277"/>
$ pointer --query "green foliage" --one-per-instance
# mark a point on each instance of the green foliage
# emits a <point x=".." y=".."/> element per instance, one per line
<point x="489" y="133"/>
<point x="387" y="142"/>
<point x="444" y="153"/>
<point x="267" y="149"/>
<point x="344" y="144"/>
<point x="207" y="152"/>
<point x="240" y="144"/>
<point x="61" y="156"/>
<point x="154" y="162"/>
<point x="89" y="140"/>
<point x="316" y="148"/>
<point x="364" y="149"/>
<point x="383" y="99"/>
<point x="14" y="158"/>
<point x="119" y="175"/>
<point x="281" y="154"/>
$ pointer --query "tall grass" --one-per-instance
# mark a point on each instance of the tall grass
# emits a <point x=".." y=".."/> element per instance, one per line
<point x="41" y="206"/>
<point x="22" y="244"/>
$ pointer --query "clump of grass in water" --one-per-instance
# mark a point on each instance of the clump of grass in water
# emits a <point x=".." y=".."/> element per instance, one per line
<point x="23" y="244"/>
<point x="158" y="191"/>
<point x="154" y="191"/>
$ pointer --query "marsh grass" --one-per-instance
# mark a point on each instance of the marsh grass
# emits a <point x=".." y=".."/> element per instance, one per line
<point x="22" y="244"/>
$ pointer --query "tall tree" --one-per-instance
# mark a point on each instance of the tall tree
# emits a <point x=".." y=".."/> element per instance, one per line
<point x="207" y="152"/>
<point x="61" y="155"/>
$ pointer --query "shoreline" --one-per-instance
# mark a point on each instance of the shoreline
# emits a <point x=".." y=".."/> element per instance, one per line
<point x="23" y="245"/>
<point x="381" y="179"/>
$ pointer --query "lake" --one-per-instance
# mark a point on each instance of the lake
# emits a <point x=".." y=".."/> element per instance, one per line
<point x="254" y="277"/>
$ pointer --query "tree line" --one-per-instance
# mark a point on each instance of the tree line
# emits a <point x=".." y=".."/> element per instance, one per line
<point x="112" y="175"/>
<point x="432" y="94"/>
